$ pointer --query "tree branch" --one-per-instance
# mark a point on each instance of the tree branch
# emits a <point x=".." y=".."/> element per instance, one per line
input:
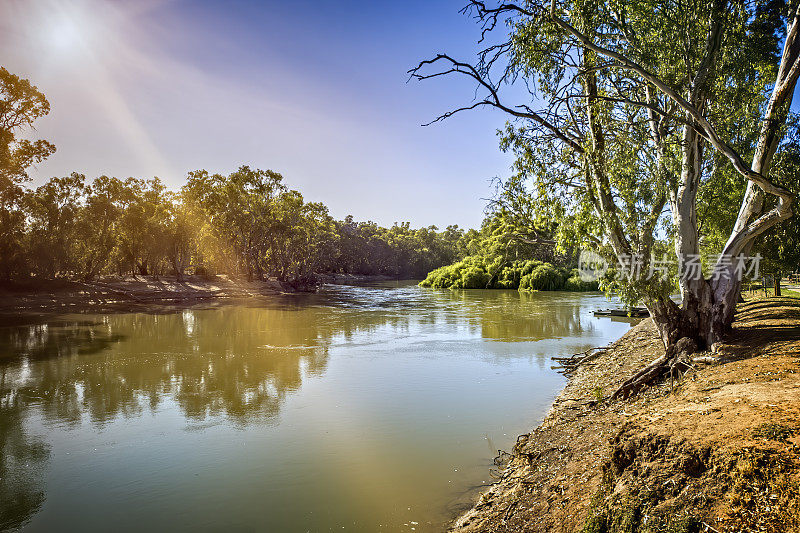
<point x="522" y="111"/>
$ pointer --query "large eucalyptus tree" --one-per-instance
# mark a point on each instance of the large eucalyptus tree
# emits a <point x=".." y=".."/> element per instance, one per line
<point x="631" y="107"/>
<point x="21" y="104"/>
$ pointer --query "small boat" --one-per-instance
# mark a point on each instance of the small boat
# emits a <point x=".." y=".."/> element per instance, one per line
<point x="634" y="312"/>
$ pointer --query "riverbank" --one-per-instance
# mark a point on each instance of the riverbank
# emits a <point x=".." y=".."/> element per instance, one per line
<point x="129" y="292"/>
<point x="719" y="452"/>
<point x="354" y="279"/>
<point x="146" y="292"/>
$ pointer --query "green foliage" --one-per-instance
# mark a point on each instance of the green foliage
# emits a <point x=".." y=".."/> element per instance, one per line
<point x="469" y="273"/>
<point x="471" y="277"/>
<point x="475" y="272"/>
<point x="21" y="104"/>
<point x="601" y="152"/>
<point x="512" y="250"/>
<point x="576" y="284"/>
<point x="544" y="277"/>
<point x="52" y="213"/>
<point x="780" y="246"/>
<point x="247" y="223"/>
<point x="400" y="251"/>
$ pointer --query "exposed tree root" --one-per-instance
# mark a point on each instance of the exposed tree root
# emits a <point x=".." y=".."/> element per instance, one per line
<point x="567" y="365"/>
<point x="676" y="357"/>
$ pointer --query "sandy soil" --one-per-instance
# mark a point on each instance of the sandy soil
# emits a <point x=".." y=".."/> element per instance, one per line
<point x="129" y="292"/>
<point x="718" y="452"/>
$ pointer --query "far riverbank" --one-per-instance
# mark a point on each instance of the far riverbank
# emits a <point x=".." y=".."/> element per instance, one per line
<point x="145" y="292"/>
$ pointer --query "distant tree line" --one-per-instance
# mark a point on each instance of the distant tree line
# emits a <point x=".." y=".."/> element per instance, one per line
<point x="248" y="223"/>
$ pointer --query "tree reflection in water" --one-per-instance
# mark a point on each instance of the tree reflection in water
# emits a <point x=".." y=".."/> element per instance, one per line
<point x="233" y="361"/>
<point x="23" y="460"/>
<point x="236" y="362"/>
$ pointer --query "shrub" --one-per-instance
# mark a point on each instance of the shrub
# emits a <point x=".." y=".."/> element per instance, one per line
<point x="544" y="277"/>
<point x="477" y="272"/>
<point x="472" y="278"/>
<point x="576" y="284"/>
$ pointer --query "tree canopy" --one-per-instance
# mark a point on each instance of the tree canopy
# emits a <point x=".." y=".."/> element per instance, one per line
<point x="631" y="123"/>
<point x="247" y="223"/>
<point x="21" y="103"/>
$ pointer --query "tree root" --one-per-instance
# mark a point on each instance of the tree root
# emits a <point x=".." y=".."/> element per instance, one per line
<point x="676" y="356"/>
<point x="567" y="365"/>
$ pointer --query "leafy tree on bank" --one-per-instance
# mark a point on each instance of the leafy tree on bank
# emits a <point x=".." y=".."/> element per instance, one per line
<point x="181" y="236"/>
<point x="511" y="251"/>
<point x="399" y="251"/>
<point x="247" y="223"/>
<point x="21" y="104"/>
<point x="98" y="227"/>
<point x="514" y="249"/>
<point x="633" y="108"/>
<point x="142" y="225"/>
<point x="780" y="246"/>
<point x="53" y="211"/>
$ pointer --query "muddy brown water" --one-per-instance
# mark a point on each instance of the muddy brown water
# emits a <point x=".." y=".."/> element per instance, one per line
<point x="354" y="409"/>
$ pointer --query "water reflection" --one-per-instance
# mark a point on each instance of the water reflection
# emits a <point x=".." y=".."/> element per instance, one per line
<point x="233" y="361"/>
<point x="237" y="364"/>
<point x="23" y="460"/>
<point x="491" y="314"/>
<point x="524" y="316"/>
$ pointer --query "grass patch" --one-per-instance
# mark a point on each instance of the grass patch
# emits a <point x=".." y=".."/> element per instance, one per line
<point x="770" y="293"/>
<point x="771" y="431"/>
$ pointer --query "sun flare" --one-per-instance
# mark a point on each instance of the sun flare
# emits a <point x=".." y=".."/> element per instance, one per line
<point x="63" y="35"/>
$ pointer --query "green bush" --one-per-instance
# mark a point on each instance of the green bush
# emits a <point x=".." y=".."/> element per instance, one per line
<point x="576" y="284"/>
<point x="476" y="272"/>
<point x="472" y="278"/>
<point x="544" y="277"/>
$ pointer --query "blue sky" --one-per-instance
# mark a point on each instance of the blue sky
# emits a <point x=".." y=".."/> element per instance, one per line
<point x="314" y="90"/>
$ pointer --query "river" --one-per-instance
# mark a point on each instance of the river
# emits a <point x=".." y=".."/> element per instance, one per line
<point x="353" y="409"/>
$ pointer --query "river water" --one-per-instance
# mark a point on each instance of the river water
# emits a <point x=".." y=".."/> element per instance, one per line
<point x="354" y="409"/>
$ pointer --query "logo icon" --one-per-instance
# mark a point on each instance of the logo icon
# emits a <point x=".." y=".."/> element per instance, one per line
<point x="591" y="266"/>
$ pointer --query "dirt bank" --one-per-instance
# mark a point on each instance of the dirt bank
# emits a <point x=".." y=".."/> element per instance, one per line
<point x="717" y="453"/>
<point x="129" y="292"/>
<point x="150" y="292"/>
<point x="355" y="279"/>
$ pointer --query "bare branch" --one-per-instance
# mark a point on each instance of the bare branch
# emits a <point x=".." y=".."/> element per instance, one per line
<point x="522" y="111"/>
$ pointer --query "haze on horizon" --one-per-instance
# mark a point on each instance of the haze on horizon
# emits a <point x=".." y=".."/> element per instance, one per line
<point x="315" y="90"/>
